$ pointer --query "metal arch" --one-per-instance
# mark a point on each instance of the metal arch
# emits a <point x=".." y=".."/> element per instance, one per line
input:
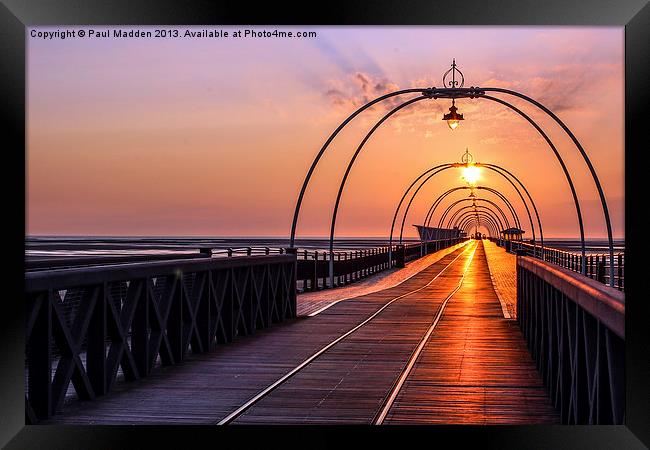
<point x="347" y="172"/>
<point x="439" y="200"/>
<point x="450" y="191"/>
<point x="482" y="221"/>
<point x="314" y="163"/>
<point x="498" y="208"/>
<point x="450" y="207"/>
<point x="478" y="226"/>
<point x="477" y="92"/>
<point x="428" y="92"/>
<point x="574" y="194"/>
<point x="485" y="209"/>
<point x="474" y="92"/>
<point x="505" y="200"/>
<point x="486" y="219"/>
<point x="483" y="214"/>
<point x="478" y="223"/>
<point x="601" y="193"/>
<point x="474" y="221"/>
<point x="530" y="219"/>
<point x="500" y="171"/>
<point x="438" y="168"/>
<point x="408" y="206"/>
<point x="431" y="212"/>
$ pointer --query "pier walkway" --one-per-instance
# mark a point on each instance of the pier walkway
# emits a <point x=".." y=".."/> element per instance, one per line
<point x="434" y="348"/>
<point x="503" y="266"/>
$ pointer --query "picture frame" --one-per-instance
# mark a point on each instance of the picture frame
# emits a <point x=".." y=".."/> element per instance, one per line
<point x="634" y="15"/>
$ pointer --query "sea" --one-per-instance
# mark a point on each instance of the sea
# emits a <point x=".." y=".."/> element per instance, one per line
<point x="37" y="247"/>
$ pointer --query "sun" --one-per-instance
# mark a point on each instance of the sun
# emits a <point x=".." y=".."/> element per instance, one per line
<point x="471" y="174"/>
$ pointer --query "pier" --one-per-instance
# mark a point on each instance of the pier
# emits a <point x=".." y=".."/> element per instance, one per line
<point x="433" y="342"/>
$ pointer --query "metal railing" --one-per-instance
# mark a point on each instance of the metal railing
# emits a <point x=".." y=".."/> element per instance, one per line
<point x="350" y="266"/>
<point x="575" y="330"/>
<point x="94" y="326"/>
<point x="596" y="264"/>
<point x="58" y="262"/>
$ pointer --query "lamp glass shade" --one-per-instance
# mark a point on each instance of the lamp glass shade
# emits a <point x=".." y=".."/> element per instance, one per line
<point x="452" y="117"/>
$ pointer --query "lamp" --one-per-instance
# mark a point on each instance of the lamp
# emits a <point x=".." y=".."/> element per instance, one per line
<point x="453" y="118"/>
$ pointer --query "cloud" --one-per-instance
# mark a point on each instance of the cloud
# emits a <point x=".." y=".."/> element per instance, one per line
<point x="359" y="89"/>
<point x="560" y="87"/>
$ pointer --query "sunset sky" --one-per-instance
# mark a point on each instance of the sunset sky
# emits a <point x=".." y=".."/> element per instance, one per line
<point x="213" y="137"/>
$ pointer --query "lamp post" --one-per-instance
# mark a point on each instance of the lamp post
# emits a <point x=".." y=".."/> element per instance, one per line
<point x="453" y="118"/>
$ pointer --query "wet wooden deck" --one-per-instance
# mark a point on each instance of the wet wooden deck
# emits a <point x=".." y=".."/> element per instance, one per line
<point x="474" y="367"/>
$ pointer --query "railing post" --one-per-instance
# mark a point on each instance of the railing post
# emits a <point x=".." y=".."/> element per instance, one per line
<point x="39" y="361"/>
<point x="399" y="256"/>
<point x="96" y="348"/>
<point x="293" y="251"/>
<point x="140" y="327"/>
<point x="292" y="299"/>
<point x="359" y="271"/>
<point x="331" y="269"/>
<point x="600" y="268"/>
<point x="620" y="271"/>
<point x="314" y="280"/>
<point x="339" y="279"/>
<point x="346" y="275"/>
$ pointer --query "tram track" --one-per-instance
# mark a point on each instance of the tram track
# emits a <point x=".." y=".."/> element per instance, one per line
<point x="305" y="363"/>
<point x="379" y="419"/>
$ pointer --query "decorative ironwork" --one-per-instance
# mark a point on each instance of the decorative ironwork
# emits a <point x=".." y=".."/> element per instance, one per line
<point x="467" y="159"/>
<point x="453" y="83"/>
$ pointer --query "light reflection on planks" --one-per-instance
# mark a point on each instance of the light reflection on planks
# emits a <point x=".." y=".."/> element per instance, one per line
<point x="475" y="368"/>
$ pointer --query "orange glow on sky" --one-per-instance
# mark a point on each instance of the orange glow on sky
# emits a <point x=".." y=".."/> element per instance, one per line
<point x="212" y="137"/>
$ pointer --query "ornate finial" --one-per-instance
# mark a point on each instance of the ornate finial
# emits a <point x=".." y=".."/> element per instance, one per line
<point x="467" y="157"/>
<point x="453" y="83"/>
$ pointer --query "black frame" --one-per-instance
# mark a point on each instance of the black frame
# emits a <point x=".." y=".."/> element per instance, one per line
<point x="16" y="15"/>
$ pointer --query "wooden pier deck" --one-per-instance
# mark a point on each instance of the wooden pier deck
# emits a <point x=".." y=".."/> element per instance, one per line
<point x="342" y="365"/>
<point x="475" y="368"/>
